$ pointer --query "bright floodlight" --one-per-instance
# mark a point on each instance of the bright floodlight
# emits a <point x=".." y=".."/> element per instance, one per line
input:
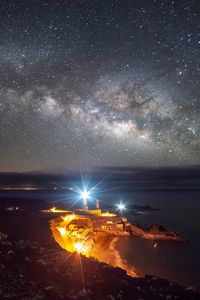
<point x="85" y="195"/>
<point x="121" y="206"/>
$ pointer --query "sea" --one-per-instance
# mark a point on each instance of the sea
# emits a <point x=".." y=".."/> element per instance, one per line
<point x="180" y="212"/>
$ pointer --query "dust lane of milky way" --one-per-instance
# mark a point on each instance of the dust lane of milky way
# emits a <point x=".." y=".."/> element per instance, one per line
<point x="95" y="83"/>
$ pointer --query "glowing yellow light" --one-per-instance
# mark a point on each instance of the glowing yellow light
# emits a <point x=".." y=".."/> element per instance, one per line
<point x="81" y="238"/>
<point x="78" y="246"/>
<point x="53" y="209"/>
<point x="69" y="217"/>
<point x="62" y="230"/>
<point x="107" y="214"/>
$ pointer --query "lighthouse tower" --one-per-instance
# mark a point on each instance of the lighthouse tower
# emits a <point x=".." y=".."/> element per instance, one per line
<point x="97" y="204"/>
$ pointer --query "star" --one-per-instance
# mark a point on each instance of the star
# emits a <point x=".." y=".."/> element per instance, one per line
<point x="91" y="85"/>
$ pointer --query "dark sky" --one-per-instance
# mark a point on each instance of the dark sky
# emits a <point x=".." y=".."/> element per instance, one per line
<point x="99" y="83"/>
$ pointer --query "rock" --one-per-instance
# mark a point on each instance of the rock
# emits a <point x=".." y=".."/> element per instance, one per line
<point x="27" y="259"/>
<point x="110" y="297"/>
<point x="119" y="297"/>
<point x="3" y="236"/>
<point x="42" y="262"/>
<point x="191" y="288"/>
<point x="6" y="243"/>
<point x="48" y="288"/>
<point x="11" y="253"/>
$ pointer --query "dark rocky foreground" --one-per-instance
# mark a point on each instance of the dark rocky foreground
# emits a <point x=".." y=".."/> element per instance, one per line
<point x="33" y="266"/>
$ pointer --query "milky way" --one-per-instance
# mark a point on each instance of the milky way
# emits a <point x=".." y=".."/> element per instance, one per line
<point x="99" y="83"/>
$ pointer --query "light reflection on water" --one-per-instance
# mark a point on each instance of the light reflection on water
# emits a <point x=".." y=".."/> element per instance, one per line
<point x="175" y="261"/>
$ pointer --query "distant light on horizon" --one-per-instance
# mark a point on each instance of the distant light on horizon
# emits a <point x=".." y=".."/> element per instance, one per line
<point x="121" y="206"/>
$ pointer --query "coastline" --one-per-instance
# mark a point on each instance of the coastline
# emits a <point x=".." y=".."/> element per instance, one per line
<point x="40" y="267"/>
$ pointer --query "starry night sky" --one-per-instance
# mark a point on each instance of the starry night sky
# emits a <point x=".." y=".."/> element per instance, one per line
<point x="99" y="83"/>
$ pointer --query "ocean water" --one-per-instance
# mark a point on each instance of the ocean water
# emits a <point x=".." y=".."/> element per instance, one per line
<point x="180" y="262"/>
<point x="179" y="211"/>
